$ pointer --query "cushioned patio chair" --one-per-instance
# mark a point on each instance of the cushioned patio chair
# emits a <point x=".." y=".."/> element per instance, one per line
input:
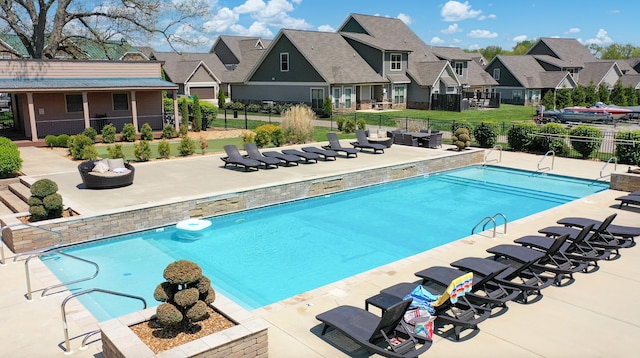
<point x="449" y="309"/>
<point x="236" y="159"/>
<point x="325" y="154"/>
<point x="254" y="153"/>
<point x="598" y="238"/>
<point x="625" y="232"/>
<point x="363" y="143"/>
<point x="375" y="334"/>
<point x="306" y="157"/>
<point x="334" y="144"/>
<point x="287" y="158"/>
<point x="628" y="199"/>
<point x="576" y="249"/>
<point x="116" y="173"/>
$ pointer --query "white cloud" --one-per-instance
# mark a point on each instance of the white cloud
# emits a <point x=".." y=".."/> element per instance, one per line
<point x="257" y="28"/>
<point x="482" y="34"/>
<point x="221" y="21"/>
<point x="488" y="17"/>
<point x="519" y="38"/>
<point x="456" y="11"/>
<point x="601" y="38"/>
<point x="405" y="18"/>
<point x="614" y="11"/>
<point x="326" y="28"/>
<point x="474" y="47"/>
<point x="436" y="40"/>
<point x="452" y="29"/>
<point x="573" y="30"/>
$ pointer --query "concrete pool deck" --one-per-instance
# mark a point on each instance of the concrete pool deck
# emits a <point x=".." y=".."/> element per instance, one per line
<point x="595" y="316"/>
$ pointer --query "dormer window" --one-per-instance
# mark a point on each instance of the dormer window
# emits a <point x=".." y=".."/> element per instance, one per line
<point x="396" y="62"/>
<point x="459" y="68"/>
<point x="284" y="62"/>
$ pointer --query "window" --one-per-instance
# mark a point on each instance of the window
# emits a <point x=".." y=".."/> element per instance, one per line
<point x="459" y="68"/>
<point x="74" y="102"/>
<point x="398" y="94"/>
<point x="396" y="62"/>
<point x="496" y="74"/>
<point x="336" y="97"/>
<point x="451" y="89"/>
<point x="120" y="102"/>
<point x="317" y="97"/>
<point x="347" y="97"/>
<point x="284" y="62"/>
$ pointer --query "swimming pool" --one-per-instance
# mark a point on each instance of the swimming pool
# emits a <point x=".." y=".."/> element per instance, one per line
<point x="262" y="256"/>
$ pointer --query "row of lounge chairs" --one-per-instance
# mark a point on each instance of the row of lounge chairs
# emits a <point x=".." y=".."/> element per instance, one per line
<point x="514" y="273"/>
<point x="254" y="158"/>
<point x="631" y="198"/>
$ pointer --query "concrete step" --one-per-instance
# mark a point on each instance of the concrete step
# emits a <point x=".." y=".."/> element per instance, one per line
<point x="12" y="201"/>
<point x="4" y="210"/>
<point x="20" y="190"/>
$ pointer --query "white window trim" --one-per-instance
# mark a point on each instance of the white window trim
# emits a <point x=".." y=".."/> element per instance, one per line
<point x="496" y="74"/>
<point x="287" y="61"/>
<point x="404" y="94"/>
<point x="391" y="62"/>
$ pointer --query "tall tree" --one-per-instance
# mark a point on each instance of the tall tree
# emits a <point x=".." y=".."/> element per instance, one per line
<point x="603" y="93"/>
<point x="45" y="27"/>
<point x="522" y="47"/>
<point x="490" y="52"/>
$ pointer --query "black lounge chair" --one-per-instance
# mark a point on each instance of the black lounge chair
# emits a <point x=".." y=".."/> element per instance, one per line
<point x="325" y="154"/>
<point x="307" y="157"/>
<point x="628" y="199"/>
<point x="375" y="334"/>
<point x="363" y="143"/>
<point x="484" y="290"/>
<point x="519" y="275"/>
<point x="554" y="260"/>
<point x="576" y="249"/>
<point x="235" y="158"/>
<point x="625" y="232"/>
<point x="598" y="238"/>
<point x="254" y="153"/>
<point x="334" y="144"/>
<point x="464" y="314"/>
<point x="287" y="158"/>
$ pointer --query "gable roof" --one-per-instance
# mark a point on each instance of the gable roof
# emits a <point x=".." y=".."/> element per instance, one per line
<point x="238" y="45"/>
<point x="428" y="73"/>
<point x="477" y="76"/>
<point x="246" y="51"/>
<point x="525" y="69"/>
<point x="571" y="51"/>
<point x="632" y="80"/>
<point x="383" y="33"/>
<point x="596" y="72"/>
<point x="180" y="66"/>
<point x="450" y="53"/>
<point x="332" y="57"/>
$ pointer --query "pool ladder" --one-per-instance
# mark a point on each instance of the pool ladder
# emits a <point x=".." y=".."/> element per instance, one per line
<point x="553" y="159"/>
<point x="491" y="219"/>
<point x="615" y="167"/>
<point x="486" y="156"/>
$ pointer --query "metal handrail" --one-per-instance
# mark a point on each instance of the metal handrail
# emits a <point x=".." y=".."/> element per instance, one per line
<point x="15" y="258"/>
<point x="46" y="289"/>
<point x="486" y="220"/>
<point x="497" y="146"/>
<point x="64" y="313"/>
<point x="553" y="159"/>
<point x="615" y="167"/>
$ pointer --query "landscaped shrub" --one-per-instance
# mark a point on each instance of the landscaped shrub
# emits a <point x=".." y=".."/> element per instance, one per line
<point x="184" y="129"/>
<point x="204" y="144"/>
<point x="109" y="133"/>
<point x="164" y="149"/>
<point x="10" y="160"/>
<point x="89" y="152"/>
<point x="297" y="124"/>
<point x="520" y="136"/>
<point x="169" y="131"/>
<point x="209" y="113"/>
<point x="349" y="126"/>
<point x="222" y="98"/>
<point x="197" y="115"/>
<point x="142" y="150"/>
<point x="77" y="144"/>
<point x="555" y="140"/>
<point x="327" y="107"/>
<point x="128" y="133"/>
<point x="461" y="124"/>
<point x="253" y="108"/>
<point x="115" y="151"/>
<point x="91" y="133"/>
<point x="248" y="137"/>
<point x="45" y="202"/>
<point x="340" y="123"/>
<point x="184" y="112"/>
<point x="146" y="132"/>
<point x="585" y="139"/>
<point x="361" y="124"/>
<point x="628" y="147"/>
<point x="63" y="141"/>
<point x="267" y="133"/>
<point x="186" y="147"/>
<point x="486" y="135"/>
<point x="185" y="294"/>
<point x="51" y="140"/>
<point x="277" y="137"/>
<point x="461" y="138"/>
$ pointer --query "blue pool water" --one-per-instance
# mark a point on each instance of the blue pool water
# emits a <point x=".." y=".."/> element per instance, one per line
<point x="262" y="256"/>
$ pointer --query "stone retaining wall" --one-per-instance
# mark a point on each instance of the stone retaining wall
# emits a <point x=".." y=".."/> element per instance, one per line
<point x="625" y="181"/>
<point x="81" y="228"/>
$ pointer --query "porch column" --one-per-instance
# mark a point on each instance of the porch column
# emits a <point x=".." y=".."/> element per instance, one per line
<point x="134" y="110"/>
<point x="176" y="111"/>
<point x="32" y="117"/>
<point x="85" y="109"/>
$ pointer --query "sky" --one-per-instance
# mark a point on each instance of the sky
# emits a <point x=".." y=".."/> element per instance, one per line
<point x="465" y="24"/>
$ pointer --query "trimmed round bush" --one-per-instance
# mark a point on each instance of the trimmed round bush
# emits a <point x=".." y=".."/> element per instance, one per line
<point x="146" y="132"/>
<point x="187" y="146"/>
<point x="51" y="140"/>
<point x="142" y="150"/>
<point x="38" y="212"/>
<point x="626" y="152"/>
<point x="109" y="133"/>
<point x="461" y="138"/>
<point x="198" y="312"/>
<point x="34" y="201"/>
<point x="10" y="160"/>
<point x="53" y="202"/>
<point x="585" y="139"/>
<point x="164" y="292"/>
<point x="91" y="133"/>
<point x="43" y="188"/>
<point x="77" y="143"/>
<point x="486" y="135"/>
<point x="164" y="149"/>
<point x="115" y="151"/>
<point x="169" y="132"/>
<point x="168" y="315"/>
<point x="187" y="297"/>
<point x="520" y="136"/>
<point x="63" y="141"/>
<point x="182" y="272"/>
<point x="128" y="133"/>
